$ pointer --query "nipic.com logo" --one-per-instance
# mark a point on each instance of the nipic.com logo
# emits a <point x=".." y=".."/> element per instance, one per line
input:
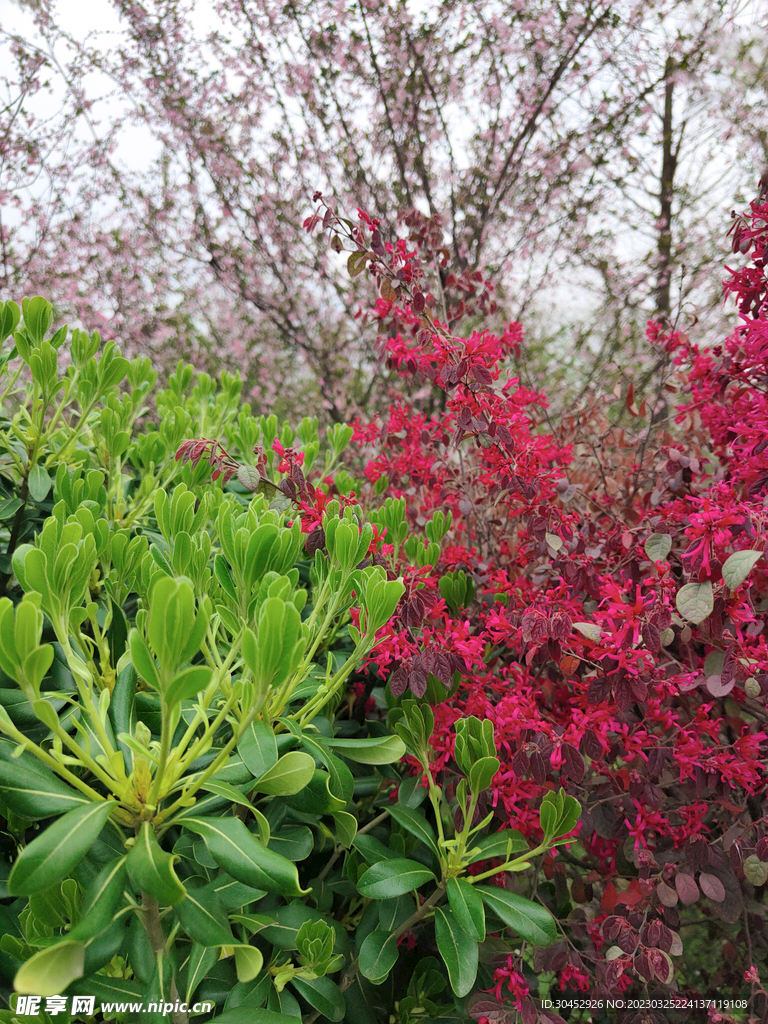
<point x="31" y="1006"/>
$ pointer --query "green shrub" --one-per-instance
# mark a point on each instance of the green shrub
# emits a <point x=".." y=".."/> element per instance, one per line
<point x="189" y="815"/>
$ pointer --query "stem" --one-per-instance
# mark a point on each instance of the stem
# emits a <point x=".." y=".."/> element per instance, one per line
<point x="509" y="864"/>
<point x="154" y="929"/>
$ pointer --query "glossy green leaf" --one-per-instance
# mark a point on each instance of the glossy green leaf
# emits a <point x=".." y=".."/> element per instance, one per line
<point x="201" y="960"/>
<point x="151" y="869"/>
<point x="373" y="750"/>
<point x="481" y="773"/>
<point x="102" y="898"/>
<point x="289" y="775"/>
<point x="32" y="790"/>
<point x="322" y="994"/>
<point x="203" y="918"/>
<point x="378" y="955"/>
<point x="372" y="849"/>
<point x="346" y="828"/>
<point x="530" y="920"/>
<point x="458" y="950"/>
<point x="413" y="821"/>
<point x="496" y="845"/>
<point x="243" y="857"/>
<point x="258" y="748"/>
<point x="467" y="907"/>
<point x="62" y="846"/>
<point x="50" y="971"/>
<point x="393" y="878"/>
<point x="317" y="797"/>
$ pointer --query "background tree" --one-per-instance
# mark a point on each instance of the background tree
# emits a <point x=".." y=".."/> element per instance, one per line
<point x="165" y="194"/>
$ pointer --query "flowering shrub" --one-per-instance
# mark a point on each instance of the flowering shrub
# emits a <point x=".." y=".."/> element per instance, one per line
<point x="607" y="609"/>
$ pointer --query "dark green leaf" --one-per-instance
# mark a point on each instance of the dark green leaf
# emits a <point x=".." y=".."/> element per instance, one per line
<point x="378" y="955"/>
<point x="258" y="748"/>
<point x="393" y="878"/>
<point x="458" y="950"/>
<point x="32" y="790"/>
<point x="62" y="846"/>
<point x="467" y="907"/>
<point x="242" y="856"/>
<point x="103" y="897"/>
<point x="151" y="869"/>
<point x="413" y="821"/>
<point x="295" y="843"/>
<point x="203" y="918"/>
<point x="201" y="960"/>
<point x="323" y="994"/>
<point x="372" y="849"/>
<point x="530" y="920"/>
<point x="495" y="846"/>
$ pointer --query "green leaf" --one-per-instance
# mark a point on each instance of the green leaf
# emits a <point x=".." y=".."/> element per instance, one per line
<point x="243" y="857"/>
<point x="458" y="950"/>
<point x="102" y="899"/>
<point x="295" y="842"/>
<point x="9" y="507"/>
<point x="317" y="796"/>
<point x="346" y="828"/>
<point x="694" y="601"/>
<point x="248" y="962"/>
<point x="62" y="846"/>
<point x="203" y="918"/>
<point x="530" y="920"/>
<point x="372" y="849"/>
<point x="393" y="877"/>
<point x="187" y="684"/>
<point x="31" y="790"/>
<point x="142" y="659"/>
<point x="496" y="845"/>
<point x="258" y="748"/>
<point x="658" y="546"/>
<point x="151" y="869"/>
<point x="201" y="960"/>
<point x="373" y="750"/>
<point x="288" y="776"/>
<point x="467" y="907"/>
<point x="322" y="994"/>
<point x="378" y="955"/>
<point x="738" y="566"/>
<point x="39" y="483"/>
<point x="51" y="970"/>
<point x="481" y="773"/>
<point x="413" y="821"/>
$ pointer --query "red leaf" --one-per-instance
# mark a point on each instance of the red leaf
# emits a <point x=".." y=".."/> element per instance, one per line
<point x="687" y="889"/>
<point x="712" y="886"/>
